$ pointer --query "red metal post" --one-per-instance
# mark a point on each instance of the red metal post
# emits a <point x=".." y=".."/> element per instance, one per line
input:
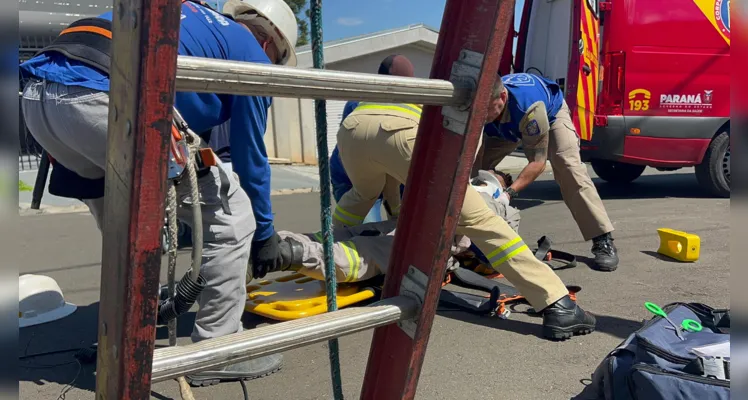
<point x="143" y="75"/>
<point x="434" y="194"/>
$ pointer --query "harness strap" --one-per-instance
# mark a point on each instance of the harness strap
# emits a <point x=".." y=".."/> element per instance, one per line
<point x="544" y="253"/>
<point x="206" y="158"/>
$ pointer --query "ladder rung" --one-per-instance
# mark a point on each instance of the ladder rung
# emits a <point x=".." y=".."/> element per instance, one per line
<point x="204" y="75"/>
<point x="172" y="362"/>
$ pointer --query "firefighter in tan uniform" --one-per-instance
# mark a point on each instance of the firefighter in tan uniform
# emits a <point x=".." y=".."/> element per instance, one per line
<point x="361" y="252"/>
<point x="537" y="116"/>
<point x="376" y="143"/>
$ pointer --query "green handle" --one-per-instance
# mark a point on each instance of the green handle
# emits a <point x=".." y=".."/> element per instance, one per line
<point x="691" y="325"/>
<point x="655" y="309"/>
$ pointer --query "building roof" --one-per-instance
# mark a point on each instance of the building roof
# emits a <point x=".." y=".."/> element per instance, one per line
<point x="357" y="46"/>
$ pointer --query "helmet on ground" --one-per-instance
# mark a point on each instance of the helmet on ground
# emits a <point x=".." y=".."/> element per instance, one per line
<point x="275" y="17"/>
<point x="40" y="300"/>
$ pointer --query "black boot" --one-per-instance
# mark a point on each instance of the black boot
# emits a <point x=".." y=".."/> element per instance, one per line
<point x="243" y="371"/>
<point x="292" y="253"/>
<point x="606" y="255"/>
<point x="564" y="319"/>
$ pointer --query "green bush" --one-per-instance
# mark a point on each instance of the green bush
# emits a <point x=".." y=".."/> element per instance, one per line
<point x="23" y="187"/>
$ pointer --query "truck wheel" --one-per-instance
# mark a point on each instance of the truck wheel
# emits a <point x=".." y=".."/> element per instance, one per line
<point x="714" y="171"/>
<point x="616" y="172"/>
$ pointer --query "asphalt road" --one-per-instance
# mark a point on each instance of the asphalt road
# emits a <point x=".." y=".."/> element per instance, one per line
<point x="467" y="357"/>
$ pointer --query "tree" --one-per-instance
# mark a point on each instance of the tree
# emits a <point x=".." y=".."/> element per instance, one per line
<point x="302" y="16"/>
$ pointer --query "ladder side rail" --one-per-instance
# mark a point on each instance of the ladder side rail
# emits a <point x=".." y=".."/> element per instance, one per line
<point x="145" y="42"/>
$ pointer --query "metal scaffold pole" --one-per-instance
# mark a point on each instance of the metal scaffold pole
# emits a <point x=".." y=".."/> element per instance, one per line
<point x="471" y="40"/>
<point x="145" y="37"/>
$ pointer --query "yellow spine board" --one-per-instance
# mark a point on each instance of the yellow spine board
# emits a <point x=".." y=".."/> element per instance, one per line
<point x="297" y="296"/>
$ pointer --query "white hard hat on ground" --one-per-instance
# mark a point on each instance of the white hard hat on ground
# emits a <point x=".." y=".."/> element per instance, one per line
<point x="40" y="301"/>
<point x="275" y="17"/>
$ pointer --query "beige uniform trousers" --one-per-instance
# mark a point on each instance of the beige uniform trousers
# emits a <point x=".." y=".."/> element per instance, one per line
<point x="376" y="148"/>
<point x="361" y="252"/>
<point x="577" y="189"/>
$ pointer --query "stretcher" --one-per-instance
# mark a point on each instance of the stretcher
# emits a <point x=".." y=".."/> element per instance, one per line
<point x="296" y="296"/>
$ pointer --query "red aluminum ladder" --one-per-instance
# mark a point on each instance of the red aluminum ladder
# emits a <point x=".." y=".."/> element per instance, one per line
<point x="143" y="82"/>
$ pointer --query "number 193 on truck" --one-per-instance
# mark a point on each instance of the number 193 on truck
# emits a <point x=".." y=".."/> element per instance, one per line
<point x="647" y="81"/>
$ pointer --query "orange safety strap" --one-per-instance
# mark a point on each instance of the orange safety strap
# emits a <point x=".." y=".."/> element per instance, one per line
<point x="208" y="157"/>
<point x="91" y="29"/>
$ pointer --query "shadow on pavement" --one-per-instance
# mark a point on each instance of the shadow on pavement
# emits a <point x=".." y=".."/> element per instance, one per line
<point x="590" y="392"/>
<point x="660" y="256"/>
<point x="512" y="325"/>
<point x="614" y="326"/>
<point x="46" y="352"/>
<point x="683" y="185"/>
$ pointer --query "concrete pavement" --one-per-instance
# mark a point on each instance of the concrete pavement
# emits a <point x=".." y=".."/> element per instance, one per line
<point x="467" y="357"/>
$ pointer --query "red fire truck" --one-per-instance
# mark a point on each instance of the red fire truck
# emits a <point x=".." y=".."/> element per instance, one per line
<point x="647" y="81"/>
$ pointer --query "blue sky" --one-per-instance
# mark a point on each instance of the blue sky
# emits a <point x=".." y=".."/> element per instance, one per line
<point x="345" y="18"/>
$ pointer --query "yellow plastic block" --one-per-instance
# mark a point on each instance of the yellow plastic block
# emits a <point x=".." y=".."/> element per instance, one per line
<point x="679" y="245"/>
<point x="297" y="296"/>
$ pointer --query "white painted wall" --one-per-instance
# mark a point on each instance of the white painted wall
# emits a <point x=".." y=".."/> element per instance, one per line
<point x="290" y="133"/>
<point x="418" y="55"/>
<point x="291" y="129"/>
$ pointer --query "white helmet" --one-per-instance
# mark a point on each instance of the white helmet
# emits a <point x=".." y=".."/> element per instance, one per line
<point x="40" y="300"/>
<point x="275" y="17"/>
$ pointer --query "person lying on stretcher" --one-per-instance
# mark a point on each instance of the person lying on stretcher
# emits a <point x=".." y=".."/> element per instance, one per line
<point x="363" y="251"/>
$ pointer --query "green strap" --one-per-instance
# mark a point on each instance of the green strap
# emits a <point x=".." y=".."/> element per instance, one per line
<point x="325" y="196"/>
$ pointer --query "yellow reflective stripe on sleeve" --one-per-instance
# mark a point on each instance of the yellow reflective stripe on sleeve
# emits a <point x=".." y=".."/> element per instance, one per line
<point x="346" y="217"/>
<point x="512" y="252"/>
<point x="506" y="251"/>
<point x="318" y="236"/>
<point x="407" y="108"/>
<point x="354" y="262"/>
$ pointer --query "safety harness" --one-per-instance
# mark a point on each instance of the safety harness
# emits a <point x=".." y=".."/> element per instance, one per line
<point x="89" y="41"/>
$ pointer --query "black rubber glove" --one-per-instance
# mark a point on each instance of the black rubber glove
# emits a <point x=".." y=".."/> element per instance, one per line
<point x="265" y="256"/>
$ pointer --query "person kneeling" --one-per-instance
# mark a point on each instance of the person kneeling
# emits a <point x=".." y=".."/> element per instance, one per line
<point x="363" y="251"/>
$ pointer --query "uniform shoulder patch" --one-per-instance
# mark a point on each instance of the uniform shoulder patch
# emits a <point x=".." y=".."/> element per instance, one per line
<point x="533" y="129"/>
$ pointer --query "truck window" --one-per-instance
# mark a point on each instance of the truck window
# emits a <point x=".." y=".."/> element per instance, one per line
<point x="594" y="6"/>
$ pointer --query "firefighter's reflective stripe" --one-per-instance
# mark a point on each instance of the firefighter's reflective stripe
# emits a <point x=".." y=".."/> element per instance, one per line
<point x="354" y="261"/>
<point x="506" y="251"/>
<point x="318" y="236"/>
<point x="346" y="217"/>
<point x="412" y="109"/>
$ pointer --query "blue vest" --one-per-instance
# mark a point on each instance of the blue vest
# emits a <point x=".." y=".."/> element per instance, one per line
<point x="525" y="90"/>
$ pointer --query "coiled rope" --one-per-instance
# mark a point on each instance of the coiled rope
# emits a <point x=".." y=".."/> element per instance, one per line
<point x="193" y="145"/>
